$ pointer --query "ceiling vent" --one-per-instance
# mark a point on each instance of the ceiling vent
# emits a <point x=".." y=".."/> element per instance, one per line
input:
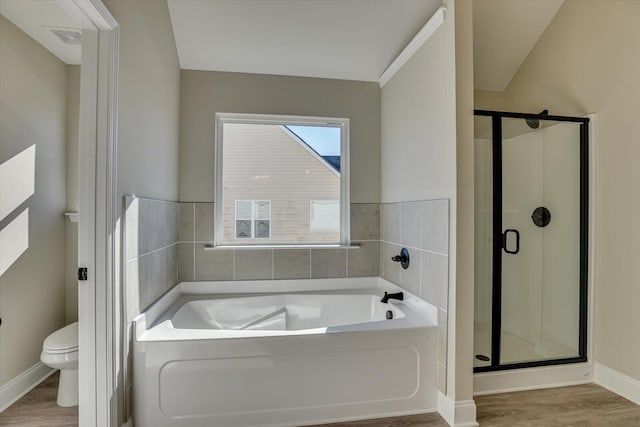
<point x="68" y="36"/>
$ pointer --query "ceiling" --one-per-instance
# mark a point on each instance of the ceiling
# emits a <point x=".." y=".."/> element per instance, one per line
<point x="37" y="18"/>
<point x="351" y="40"/>
<point x="504" y="32"/>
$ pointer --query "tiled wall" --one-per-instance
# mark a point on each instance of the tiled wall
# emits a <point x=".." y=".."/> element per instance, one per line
<point x="168" y="242"/>
<point x="423" y="228"/>
<point x="151" y="251"/>
<point x="198" y="261"/>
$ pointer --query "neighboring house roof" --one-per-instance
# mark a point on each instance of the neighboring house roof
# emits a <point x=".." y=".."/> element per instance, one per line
<point x="331" y="162"/>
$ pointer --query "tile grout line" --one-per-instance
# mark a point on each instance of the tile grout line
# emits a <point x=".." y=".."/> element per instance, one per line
<point x="415" y="248"/>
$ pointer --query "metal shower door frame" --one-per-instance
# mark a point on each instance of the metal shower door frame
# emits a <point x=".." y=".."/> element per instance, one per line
<point x="496" y="295"/>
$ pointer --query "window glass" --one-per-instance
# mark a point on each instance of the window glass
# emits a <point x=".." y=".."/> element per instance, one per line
<point x="281" y="183"/>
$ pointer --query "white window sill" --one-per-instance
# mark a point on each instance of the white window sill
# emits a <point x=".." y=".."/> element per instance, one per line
<point x="227" y="247"/>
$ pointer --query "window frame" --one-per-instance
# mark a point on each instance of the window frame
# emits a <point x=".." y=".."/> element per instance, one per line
<point x="281" y="120"/>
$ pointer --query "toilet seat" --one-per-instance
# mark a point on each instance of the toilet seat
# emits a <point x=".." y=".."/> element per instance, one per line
<point x="62" y="341"/>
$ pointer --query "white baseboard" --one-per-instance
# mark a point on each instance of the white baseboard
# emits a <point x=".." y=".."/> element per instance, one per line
<point x="617" y="382"/>
<point x="532" y="378"/>
<point x="23" y="384"/>
<point x="461" y="413"/>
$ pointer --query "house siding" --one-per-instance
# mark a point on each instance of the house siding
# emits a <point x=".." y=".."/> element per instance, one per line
<point x="280" y="170"/>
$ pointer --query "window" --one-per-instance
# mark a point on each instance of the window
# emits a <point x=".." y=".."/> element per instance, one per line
<point x="281" y="180"/>
<point x="325" y="215"/>
<point x="253" y="219"/>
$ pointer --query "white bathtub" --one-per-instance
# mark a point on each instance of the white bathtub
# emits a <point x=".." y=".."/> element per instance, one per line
<point x="282" y="353"/>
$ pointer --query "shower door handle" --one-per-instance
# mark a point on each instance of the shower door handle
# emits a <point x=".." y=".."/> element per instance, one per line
<point x="504" y="241"/>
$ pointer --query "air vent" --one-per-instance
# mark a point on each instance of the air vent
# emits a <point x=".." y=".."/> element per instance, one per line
<point x="68" y="36"/>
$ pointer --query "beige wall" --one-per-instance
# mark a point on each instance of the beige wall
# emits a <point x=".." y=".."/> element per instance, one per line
<point x="424" y="106"/>
<point x="72" y="170"/>
<point x="148" y="120"/>
<point x="419" y="122"/>
<point x="461" y="296"/>
<point x="204" y="93"/>
<point x="148" y="100"/>
<point x="32" y="111"/>
<point x="587" y="61"/>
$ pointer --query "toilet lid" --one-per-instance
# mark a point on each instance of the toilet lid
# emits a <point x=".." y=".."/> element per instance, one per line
<point x="65" y="339"/>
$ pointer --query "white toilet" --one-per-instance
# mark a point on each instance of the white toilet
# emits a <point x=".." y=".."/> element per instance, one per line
<point x="60" y="351"/>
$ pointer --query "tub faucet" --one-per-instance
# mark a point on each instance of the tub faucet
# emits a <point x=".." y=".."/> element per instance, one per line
<point x="387" y="296"/>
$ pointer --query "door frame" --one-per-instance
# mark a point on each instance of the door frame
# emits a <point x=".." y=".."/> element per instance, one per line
<point x="97" y="236"/>
<point x="497" y="233"/>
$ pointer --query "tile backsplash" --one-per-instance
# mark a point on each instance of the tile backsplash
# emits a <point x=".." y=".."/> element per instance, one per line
<point x="150" y="251"/>
<point x="423" y="228"/>
<point x="198" y="261"/>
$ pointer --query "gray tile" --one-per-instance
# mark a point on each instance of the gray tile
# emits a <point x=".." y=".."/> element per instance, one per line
<point x="171" y="267"/>
<point x="132" y="286"/>
<point x="204" y="222"/>
<point x="327" y="263"/>
<point x="442" y="379"/>
<point x="434" y="279"/>
<point x="253" y="264"/>
<point x="434" y="217"/>
<point x="214" y="264"/>
<point x="132" y="226"/>
<point x="442" y="337"/>
<point x="152" y="283"/>
<point x="151" y="234"/>
<point x="410" y="224"/>
<point x="391" y="222"/>
<point x="291" y="264"/>
<point x="365" y="221"/>
<point x="171" y="219"/>
<point x="390" y="269"/>
<point x="185" y="262"/>
<point x="410" y="278"/>
<point x="364" y="261"/>
<point x="185" y="228"/>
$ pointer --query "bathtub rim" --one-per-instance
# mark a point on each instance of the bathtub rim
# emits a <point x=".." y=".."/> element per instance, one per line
<point x="419" y="313"/>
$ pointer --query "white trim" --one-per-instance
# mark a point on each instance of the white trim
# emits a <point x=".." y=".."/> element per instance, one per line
<point x="410" y="49"/>
<point x="97" y="234"/>
<point x="14" y="389"/>
<point x="275" y="119"/>
<point x="461" y="413"/>
<point x="617" y="382"/>
<point x="532" y="378"/>
<point x="72" y="216"/>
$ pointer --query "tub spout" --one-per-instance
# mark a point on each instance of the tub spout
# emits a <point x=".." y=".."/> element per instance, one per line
<point x="387" y="296"/>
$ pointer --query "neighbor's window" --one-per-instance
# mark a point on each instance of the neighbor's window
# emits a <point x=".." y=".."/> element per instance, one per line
<point x="253" y="219"/>
<point x="281" y="180"/>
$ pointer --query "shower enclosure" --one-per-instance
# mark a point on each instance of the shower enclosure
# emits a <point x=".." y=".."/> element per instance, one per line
<point x="531" y="174"/>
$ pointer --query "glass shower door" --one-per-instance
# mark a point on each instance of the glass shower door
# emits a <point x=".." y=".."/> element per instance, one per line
<point x="531" y="208"/>
<point x="541" y="229"/>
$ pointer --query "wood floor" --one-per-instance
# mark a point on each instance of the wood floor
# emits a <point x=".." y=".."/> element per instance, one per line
<point x="578" y="406"/>
<point x="38" y="408"/>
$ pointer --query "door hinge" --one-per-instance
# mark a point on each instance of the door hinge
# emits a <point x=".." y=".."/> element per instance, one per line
<point x="82" y="273"/>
